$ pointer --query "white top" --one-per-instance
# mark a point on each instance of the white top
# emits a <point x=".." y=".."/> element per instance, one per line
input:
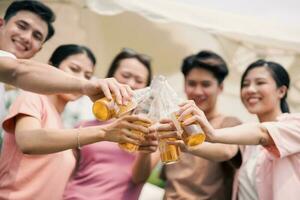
<point x="2" y="90"/>
<point x="247" y="173"/>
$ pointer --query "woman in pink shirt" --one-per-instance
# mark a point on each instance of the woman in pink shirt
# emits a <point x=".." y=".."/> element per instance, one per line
<point x="105" y="171"/>
<point x="36" y="160"/>
<point x="270" y="168"/>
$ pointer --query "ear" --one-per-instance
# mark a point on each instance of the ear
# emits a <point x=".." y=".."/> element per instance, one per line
<point x="282" y="91"/>
<point x="2" y="22"/>
<point x="221" y="87"/>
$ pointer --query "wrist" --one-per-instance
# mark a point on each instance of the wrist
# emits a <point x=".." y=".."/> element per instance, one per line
<point x="213" y="138"/>
<point x="144" y="155"/>
<point x="101" y="134"/>
<point x="84" y="85"/>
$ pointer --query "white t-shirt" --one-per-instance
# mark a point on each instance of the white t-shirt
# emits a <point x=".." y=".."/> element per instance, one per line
<point x="247" y="186"/>
<point x="2" y="90"/>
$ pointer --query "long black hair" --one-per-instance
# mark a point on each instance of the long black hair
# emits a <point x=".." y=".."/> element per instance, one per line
<point x="130" y="53"/>
<point x="66" y="50"/>
<point x="278" y="73"/>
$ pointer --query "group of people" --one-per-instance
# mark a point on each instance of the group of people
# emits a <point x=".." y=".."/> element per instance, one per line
<point x="42" y="160"/>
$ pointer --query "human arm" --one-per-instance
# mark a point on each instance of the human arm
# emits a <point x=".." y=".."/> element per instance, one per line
<point x="245" y="134"/>
<point x="42" y="78"/>
<point x="33" y="139"/>
<point x="215" y="152"/>
<point x="146" y="159"/>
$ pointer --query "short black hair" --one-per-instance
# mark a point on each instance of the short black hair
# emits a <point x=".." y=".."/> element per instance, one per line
<point x="36" y="7"/>
<point x="207" y="60"/>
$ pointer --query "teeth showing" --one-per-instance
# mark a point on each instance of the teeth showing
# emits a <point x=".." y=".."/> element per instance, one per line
<point x="20" y="45"/>
<point x="253" y="100"/>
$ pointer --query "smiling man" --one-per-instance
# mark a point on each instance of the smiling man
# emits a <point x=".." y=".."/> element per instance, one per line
<point x="26" y="26"/>
<point x="195" y="177"/>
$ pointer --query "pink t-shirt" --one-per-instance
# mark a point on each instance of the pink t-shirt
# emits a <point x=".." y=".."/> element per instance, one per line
<point x="28" y="177"/>
<point x="278" y="167"/>
<point x="104" y="173"/>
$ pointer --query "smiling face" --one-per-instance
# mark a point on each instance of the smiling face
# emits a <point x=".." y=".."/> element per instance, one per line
<point x="23" y="34"/>
<point x="78" y="65"/>
<point x="202" y="87"/>
<point x="259" y="92"/>
<point x="133" y="73"/>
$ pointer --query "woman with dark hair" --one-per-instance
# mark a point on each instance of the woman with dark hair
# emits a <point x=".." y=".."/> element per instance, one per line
<point x="271" y="157"/>
<point x="37" y="158"/>
<point x="128" y="65"/>
<point x="105" y="171"/>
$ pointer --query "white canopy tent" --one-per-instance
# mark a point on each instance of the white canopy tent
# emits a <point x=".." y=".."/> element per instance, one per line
<point x="168" y="30"/>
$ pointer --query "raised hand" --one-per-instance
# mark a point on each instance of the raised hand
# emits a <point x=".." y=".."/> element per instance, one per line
<point x="198" y="116"/>
<point x="100" y="88"/>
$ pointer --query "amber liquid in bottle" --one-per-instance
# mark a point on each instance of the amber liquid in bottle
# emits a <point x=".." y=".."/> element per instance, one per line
<point x="105" y="109"/>
<point x="192" y="134"/>
<point x="169" y="153"/>
<point x="129" y="147"/>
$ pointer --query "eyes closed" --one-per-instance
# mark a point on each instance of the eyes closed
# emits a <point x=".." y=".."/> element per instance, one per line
<point x="23" y="25"/>
<point x="127" y="75"/>
<point x="77" y="69"/>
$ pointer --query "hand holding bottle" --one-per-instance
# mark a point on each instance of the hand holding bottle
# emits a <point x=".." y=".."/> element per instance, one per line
<point x="189" y="108"/>
<point x="121" y="129"/>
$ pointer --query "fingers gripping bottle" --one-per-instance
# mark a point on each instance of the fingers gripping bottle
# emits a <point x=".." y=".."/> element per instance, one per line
<point x="105" y="109"/>
<point x="142" y="109"/>
<point x="192" y="134"/>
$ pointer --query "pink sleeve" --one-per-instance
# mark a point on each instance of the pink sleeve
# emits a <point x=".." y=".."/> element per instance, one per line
<point x="28" y="104"/>
<point x="285" y="134"/>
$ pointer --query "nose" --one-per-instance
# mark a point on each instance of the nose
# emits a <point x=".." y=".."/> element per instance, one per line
<point x="132" y="83"/>
<point x="198" y="90"/>
<point x="250" y="89"/>
<point x="26" y="36"/>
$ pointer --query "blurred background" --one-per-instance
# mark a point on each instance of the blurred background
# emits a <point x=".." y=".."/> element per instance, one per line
<point x="168" y="30"/>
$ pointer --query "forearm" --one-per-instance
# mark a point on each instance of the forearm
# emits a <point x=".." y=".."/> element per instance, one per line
<point x="214" y="152"/>
<point x="245" y="134"/>
<point x="141" y="168"/>
<point x="45" y="141"/>
<point x="40" y="78"/>
<point x="143" y="165"/>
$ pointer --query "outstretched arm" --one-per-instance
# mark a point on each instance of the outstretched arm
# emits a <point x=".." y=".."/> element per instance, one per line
<point x="46" y="79"/>
<point x="245" y="134"/>
<point x="33" y="139"/>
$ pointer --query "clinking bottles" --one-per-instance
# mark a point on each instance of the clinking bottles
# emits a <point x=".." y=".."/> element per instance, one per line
<point x="142" y="109"/>
<point x="105" y="109"/>
<point x="169" y="153"/>
<point x="192" y="134"/>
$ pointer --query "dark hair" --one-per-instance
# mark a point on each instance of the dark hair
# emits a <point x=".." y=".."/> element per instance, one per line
<point x="207" y="60"/>
<point x="36" y="7"/>
<point x="278" y="73"/>
<point x="66" y="50"/>
<point x="130" y="53"/>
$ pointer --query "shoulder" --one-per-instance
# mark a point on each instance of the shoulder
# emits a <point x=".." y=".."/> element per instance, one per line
<point x="229" y="121"/>
<point x="289" y="117"/>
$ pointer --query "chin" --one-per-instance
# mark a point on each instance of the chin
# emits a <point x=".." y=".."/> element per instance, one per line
<point x="253" y="109"/>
